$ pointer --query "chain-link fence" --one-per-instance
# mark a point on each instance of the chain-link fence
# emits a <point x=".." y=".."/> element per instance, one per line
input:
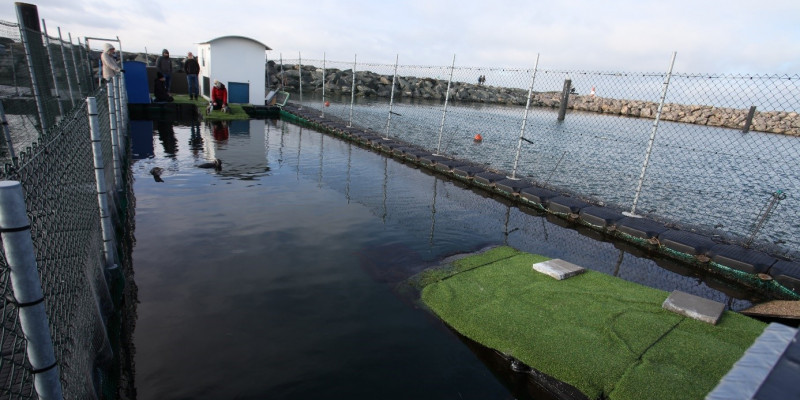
<point x="717" y="156"/>
<point x="48" y="148"/>
<point x="62" y="81"/>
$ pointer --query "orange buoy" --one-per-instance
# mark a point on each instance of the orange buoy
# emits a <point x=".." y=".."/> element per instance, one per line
<point x="478" y="137"/>
<point x="327" y="103"/>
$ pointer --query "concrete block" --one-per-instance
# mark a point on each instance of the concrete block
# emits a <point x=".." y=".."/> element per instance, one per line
<point x="694" y="307"/>
<point x="558" y="268"/>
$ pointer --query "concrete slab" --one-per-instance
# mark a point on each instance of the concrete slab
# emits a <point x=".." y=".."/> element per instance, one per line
<point x="558" y="268"/>
<point x="694" y="307"/>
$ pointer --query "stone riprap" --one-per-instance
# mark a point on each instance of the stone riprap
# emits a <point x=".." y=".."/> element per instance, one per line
<point x="369" y="84"/>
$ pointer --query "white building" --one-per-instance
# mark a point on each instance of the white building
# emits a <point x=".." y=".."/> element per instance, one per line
<point x="239" y="63"/>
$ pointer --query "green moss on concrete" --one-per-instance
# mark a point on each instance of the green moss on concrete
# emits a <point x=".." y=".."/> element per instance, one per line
<point x="603" y="335"/>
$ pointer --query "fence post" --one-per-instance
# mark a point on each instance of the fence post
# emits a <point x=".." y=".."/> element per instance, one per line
<point x="391" y="98"/>
<point x="37" y="95"/>
<point x="52" y="68"/>
<point x="7" y="135"/>
<point x="749" y="119"/>
<point x="28" y="295"/>
<point x="118" y="100"/>
<point x="632" y="213"/>
<point x="525" y="119"/>
<point x="352" y="92"/>
<point x="300" y="77"/>
<point x="112" y="118"/>
<point x="66" y="68"/>
<point x="444" y="110"/>
<point x="562" y="110"/>
<point x="75" y="63"/>
<point x="323" y="86"/>
<point x="122" y="122"/>
<point x="102" y="191"/>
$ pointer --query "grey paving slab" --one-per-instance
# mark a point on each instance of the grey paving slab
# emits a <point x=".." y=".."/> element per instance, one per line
<point x="558" y="268"/>
<point x="694" y="307"/>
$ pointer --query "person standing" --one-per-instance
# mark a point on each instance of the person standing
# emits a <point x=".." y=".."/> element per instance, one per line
<point x="110" y="65"/>
<point x="192" y="69"/>
<point x="164" y="65"/>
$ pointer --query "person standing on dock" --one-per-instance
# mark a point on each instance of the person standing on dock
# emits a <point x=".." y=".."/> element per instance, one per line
<point x="192" y="69"/>
<point x="164" y="65"/>
<point x="110" y="65"/>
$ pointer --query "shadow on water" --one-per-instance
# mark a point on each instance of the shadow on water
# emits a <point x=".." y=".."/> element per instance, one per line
<point x="274" y="276"/>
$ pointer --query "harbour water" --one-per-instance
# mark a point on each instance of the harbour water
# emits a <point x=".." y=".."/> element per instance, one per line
<point x="276" y="277"/>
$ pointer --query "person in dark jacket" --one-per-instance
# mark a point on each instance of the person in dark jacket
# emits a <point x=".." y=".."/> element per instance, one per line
<point x="192" y="69"/>
<point x="164" y="65"/>
<point x="160" y="89"/>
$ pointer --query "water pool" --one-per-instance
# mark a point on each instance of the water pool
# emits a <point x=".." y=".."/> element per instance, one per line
<point x="275" y="277"/>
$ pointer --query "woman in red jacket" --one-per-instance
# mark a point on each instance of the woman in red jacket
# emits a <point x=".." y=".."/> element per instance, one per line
<point x="219" y="98"/>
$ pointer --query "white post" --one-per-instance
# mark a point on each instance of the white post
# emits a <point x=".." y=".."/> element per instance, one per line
<point x="444" y="110"/>
<point x="112" y="118"/>
<point x="632" y="213"/>
<point x="391" y="98"/>
<point x="525" y="119"/>
<point x="28" y="295"/>
<point x="323" y="85"/>
<point x="300" y="77"/>
<point x="102" y="191"/>
<point x="352" y="92"/>
<point x="74" y="61"/>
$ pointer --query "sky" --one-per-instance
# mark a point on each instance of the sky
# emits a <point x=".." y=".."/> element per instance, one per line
<point x="714" y="36"/>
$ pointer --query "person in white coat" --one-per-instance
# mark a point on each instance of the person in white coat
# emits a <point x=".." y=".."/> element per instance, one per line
<point x="110" y="65"/>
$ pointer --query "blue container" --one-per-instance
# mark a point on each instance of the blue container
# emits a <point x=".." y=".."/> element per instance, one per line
<point x="136" y="82"/>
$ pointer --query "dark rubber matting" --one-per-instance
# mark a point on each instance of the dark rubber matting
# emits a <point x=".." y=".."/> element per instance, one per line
<point x="640" y="227"/>
<point x="686" y="242"/>
<point x="538" y="195"/>
<point x="741" y="259"/>
<point x="511" y="186"/>
<point x="488" y="178"/>
<point x="600" y="216"/>
<point x="566" y="205"/>
<point x="787" y="273"/>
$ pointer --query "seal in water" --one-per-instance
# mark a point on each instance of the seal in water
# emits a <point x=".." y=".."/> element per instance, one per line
<point x="216" y="164"/>
<point x="156" y="172"/>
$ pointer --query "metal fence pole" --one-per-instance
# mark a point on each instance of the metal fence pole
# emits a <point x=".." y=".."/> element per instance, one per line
<point x="112" y="118"/>
<point x="352" y="92"/>
<point x="52" y="68"/>
<point x="118" y="100"/>
<point x="300" y="77"/>
<point x="323" y="86"/>
<point x="123" y="106"/>
<point x="74" y="62"/>
<point x="444" y="109"/>
<point x="102" y="191"/>
<point x="525" y="119"/>
<point x="391" y="98"/>
<point x="632" y="213"/>
<point x="36" y="92"/>
<point x="66" y="68"/>
<point x="28" y="295"/>
<point x="562" y="109"/>
<point x="7" y="135"/>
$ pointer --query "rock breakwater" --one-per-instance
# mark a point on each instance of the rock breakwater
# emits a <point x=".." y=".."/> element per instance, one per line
<point x="370" y="84"/>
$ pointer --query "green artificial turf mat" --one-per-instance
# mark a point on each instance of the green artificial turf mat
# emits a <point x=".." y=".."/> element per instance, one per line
<point x="605" y="336"/>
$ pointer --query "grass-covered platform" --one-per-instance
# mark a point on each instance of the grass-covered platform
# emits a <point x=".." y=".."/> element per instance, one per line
<point x="607" y="337"/>
<point x="183" y="108"/>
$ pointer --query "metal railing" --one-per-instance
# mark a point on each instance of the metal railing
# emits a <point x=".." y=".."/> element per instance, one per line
<point x="711" y="153"/>
<point x="66" y="209"/>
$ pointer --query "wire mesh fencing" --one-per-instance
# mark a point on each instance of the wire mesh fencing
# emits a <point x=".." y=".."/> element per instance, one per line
<point x="33" y="107"/>
<point x="47" y="146"/>
<point x="711" y="153"/>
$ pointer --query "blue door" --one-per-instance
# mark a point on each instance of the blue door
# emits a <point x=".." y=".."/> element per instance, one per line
<point x="238" y="92"/>
<point x="136" y="82"/>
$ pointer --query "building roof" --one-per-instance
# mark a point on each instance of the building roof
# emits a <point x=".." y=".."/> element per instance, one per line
<point x="237" y="37"/>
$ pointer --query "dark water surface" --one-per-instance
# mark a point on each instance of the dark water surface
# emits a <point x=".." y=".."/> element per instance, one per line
<point x="274" y="278"/>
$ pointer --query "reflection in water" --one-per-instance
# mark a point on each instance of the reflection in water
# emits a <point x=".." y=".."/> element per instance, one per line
<point x="287" y="260"/>
<point x="220" y="130"/>
<point x="167" y="136"/>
